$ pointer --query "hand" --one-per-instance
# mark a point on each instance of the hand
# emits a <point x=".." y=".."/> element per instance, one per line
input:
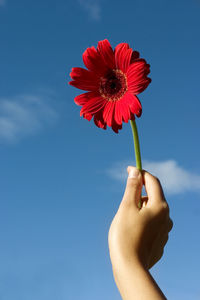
<point x="139" y="235"/>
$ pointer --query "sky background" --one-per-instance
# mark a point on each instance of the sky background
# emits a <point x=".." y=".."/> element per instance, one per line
<point x="61" y="177"/>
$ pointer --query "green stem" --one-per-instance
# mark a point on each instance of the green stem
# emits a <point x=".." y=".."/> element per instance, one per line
<point x="136" y="145"/>
<point x="137" y="151"/>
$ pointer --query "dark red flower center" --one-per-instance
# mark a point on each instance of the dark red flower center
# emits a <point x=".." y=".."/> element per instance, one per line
<point x="113" y="86"/>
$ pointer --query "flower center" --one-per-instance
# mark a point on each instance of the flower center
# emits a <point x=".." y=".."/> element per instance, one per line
<point x="113" y="86"/>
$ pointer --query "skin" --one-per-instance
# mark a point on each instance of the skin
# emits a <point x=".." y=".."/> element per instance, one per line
<point x="137" y="237"/>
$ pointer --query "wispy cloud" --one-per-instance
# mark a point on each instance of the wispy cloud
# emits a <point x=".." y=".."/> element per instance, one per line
<point x="174" y="178"/>
<point x="24" y="115"/>
<point x="92" y="7"/>
<point x="2" y="2"/>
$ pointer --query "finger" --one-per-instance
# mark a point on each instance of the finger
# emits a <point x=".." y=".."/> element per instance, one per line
<point x="158" y="248"/>
<point x="133" y="189"/>
<point x="170" y="225"/>
<point x="144" y="200"/>
<point x="163" y="240"/>
<point x="154" y="260"/>
<point x="167" y="226"/>
<point x="153" y="189"/>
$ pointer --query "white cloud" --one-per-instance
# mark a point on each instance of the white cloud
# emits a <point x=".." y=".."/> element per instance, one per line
<point x="173" y="177"/>
<point x="92" y="7"/>
<point x="24" y="115"/>
<point x="2" y="2"/>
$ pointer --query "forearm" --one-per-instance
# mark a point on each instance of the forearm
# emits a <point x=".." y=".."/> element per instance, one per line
<point x="136" y="283"/>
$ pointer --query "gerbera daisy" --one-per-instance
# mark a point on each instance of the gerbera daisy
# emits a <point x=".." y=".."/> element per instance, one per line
<point x="113" y="80"/>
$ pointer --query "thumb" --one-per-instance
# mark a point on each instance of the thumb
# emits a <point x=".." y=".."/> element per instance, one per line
<point x="133" y="189"/>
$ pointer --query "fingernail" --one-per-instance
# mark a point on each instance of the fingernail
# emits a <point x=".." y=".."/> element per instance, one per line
<point x="144" y="204"/>
<point x="134" y="173"/>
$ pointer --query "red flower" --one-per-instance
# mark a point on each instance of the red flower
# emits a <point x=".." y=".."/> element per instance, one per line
<point x="113" y="80"/>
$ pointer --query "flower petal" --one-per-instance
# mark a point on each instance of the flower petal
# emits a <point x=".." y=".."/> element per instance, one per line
<point x="116" y="127"/>
<point x="125" y="111"/>
<point x="87" y="116"/>
<point x="94" y="62"/>
<point x="106" y="110"/>
<point x="132" y="117"/>
<point x="84" y="98"/>
<point x="83" y="74"/>
<point x="83" y="85"/>
<point x="84" y="79"/>
<point x="108" y="113"/>
<point x="137" y="76"/>
<point x="98" y="120"/>
<point x="133" y="103"/>
<point x="123" y="55"/>
<point x="107" y="53"/>
<point x="135" y="55"/>
<point x="93" y="105"/>
<point x="122" y="111"/>
<point x="118" y="115"/>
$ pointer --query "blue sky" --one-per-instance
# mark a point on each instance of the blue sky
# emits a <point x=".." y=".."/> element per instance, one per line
<point x="62" y="178"/>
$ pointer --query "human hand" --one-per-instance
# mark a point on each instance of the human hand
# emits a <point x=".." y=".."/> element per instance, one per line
<point x="139" y="235"/>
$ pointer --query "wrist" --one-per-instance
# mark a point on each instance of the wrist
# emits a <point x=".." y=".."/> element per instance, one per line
<point x="125" y="265"/>
<point x="130" y="273"/>
<point x="120" y="262"/>
<point x="135" y="282"/>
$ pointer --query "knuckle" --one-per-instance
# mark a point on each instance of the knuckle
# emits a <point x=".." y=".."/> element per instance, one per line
<point x="170" y="225"/>
<point x="163" y="206"/>
<point x="165" y="240"/>
<point x="161" y="252"/>
<point x="159" y="184"/>
<point x="166" y="207"/>
<point x="134" y="183"/>
<point x="157" y="180"/>
<point x="162" y="209"/>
